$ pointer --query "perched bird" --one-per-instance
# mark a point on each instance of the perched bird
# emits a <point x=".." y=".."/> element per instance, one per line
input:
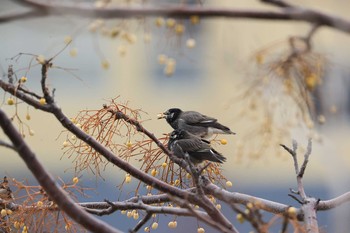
<point x="5" y="191"/>
<point x="194" y="122"/>
<point x="182" y="142"/>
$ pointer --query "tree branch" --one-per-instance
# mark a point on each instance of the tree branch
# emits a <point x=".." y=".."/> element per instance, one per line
<point x="287" y="12"/>
<point x="56" y="193"/>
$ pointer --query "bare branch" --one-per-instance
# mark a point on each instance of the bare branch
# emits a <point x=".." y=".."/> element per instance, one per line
<point x="287" y="12"/>
<point x="306" y="158"/>
<point x="335" y="202"/>
<point x="235" y="197"/>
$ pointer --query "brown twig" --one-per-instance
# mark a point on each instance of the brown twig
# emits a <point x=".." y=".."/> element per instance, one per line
<point x="47" y="182"/>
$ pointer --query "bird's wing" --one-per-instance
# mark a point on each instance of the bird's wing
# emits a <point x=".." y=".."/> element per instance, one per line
<point x="196" y="118"/>
<point x="191" y="145"/>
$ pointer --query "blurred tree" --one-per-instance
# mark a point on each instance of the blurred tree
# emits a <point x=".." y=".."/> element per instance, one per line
<point x="114" y="134"/>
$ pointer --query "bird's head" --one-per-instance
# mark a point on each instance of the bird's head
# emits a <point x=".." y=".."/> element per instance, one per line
<point x="170" y="115"/>
<point x="179" y="134"/>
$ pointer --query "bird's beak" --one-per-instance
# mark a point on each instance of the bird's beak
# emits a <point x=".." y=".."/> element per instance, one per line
<point x="161" y="115"/>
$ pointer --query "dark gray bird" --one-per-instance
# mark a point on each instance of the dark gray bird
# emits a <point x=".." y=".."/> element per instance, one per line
<point x="5" y="191"/>
<point x="182" y="142"/>
<point x="194" y="122"/>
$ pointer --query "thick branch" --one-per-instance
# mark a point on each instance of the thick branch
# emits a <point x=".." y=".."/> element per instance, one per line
<point x="287" y="12"/>
<point x="234" y="197"/>
<point x="335" y="202"/>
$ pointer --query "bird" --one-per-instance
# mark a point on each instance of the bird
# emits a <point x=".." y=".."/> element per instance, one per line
<point x="5" y="191"/>
<point x="181" y="142"/>
<point x="194" y="122"/>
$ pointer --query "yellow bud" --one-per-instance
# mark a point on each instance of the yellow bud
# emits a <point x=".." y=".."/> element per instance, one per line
<point x="25" y="229"/>
<point x="129" y="214"/>
<point x="179" y="29"/>
<point x="9" y="212"/>
<point x="228" y="183"/>
<point x="200" y="230"/>
<point x="42" y="101"/>
<point x="292" y="212"/>
<point x="3" y="212"/>
<point x="177" y="182"/>
<point x="218" y="206"/>
<point x="67" y="39"/>
<point x="31" y="132"/>
<point x="172" y="224"/>
<point x="65" y="144"/>
<point x="147" y="229"/>
<point x="114" y="32"/>
<point x="73" y="52"/>
<point x="128" y="144"/>
<point x="154" y="225"/>
<point x="188" y="176"/>
<point x="39" y="204"/>
<point x="23" y="79"/>
<point x="223" y="141"/>
<point x="75" y="180"/>
<point x="16" y="225"/>
<point x="311" y="81"/>
<point x="123" y="212"/>
<point x="194" y="19"/>
<point x="131" y="38"/>
<point x="154" y="172"/>
<point x="164" y="165"/>
<point x="136" y="216"/>
<point x="240" y="218"/>
<point x="41" y="59"/>
<point x="250" y="205"/>
<point x="191" y="43"/>
<point x="127" y="179"/>
<point x="10" y="101"/>
<point x="159" y="21"/>
<point x="170" y="22"/>
<point x="28" y="116"/>
<point x="105" y="64"/>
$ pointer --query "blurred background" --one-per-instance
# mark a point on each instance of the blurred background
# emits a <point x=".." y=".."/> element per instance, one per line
<point x="215" y="65"/>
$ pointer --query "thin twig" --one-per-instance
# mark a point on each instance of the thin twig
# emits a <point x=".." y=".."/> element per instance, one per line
<point x="143" y="221"/>
<point x="306" y="158"/>
<point x="7" y="145"/>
